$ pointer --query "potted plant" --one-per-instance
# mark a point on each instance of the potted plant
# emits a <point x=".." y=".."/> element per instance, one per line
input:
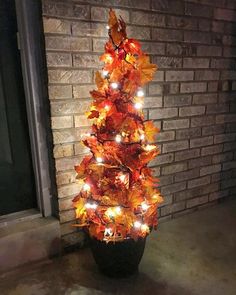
<point x="118" y="202"/>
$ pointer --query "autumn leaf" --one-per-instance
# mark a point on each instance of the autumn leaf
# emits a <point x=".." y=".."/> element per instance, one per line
<point x="93" y="114"/>
<point x="146" y="69"/>
<point x="130" y="59"/>
<point x="117" y="28"/>
<point x="80" y="169"/>
<point x="112" y="22"/>
<point x="150" y="130"/>
<point x="116" y="75"/>
<point x="132" y="46"/>
<point x="97" y="95"/>
<point x="100" y="82"/>
<point x="146" y="157"/>
<point x="79" y="208"/>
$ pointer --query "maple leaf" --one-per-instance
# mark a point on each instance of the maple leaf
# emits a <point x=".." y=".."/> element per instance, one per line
<point x="97" y="95"/>
<point x="93" y="114"/>
<point x="132" y="46"/>
<point x="80" y="169"/>
<point x="146" y="69"/>
<point x="146" y="157"/>
<point x="117" y="28"/>
<point x="116" y="75"/>
<point x="130" y="58"/>
<point x="100" y="81"/>
<point x="80" y="209"/>
<point x="150" y="130"/>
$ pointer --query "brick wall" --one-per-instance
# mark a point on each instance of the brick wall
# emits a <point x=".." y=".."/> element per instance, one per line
<point x="191" y="98"/>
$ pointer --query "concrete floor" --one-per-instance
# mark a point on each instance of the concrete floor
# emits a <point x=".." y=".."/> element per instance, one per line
<point x="194" y="254"/>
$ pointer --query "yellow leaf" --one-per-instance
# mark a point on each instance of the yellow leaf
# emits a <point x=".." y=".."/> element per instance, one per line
<point x="130" y="58"/>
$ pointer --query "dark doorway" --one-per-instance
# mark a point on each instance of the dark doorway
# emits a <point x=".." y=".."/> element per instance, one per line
<point x="17" y="188"/>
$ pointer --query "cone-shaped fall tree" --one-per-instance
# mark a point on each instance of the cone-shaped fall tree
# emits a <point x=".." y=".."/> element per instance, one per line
<point x="119" y="198"/>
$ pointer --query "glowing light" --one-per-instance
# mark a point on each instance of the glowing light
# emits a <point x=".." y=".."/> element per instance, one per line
<point x="118" y="138"/>
<point x="105" y="73"/>
<point x="107" y="107"/>
<point x="114" y="85"/>
<point x="99" y="159"/>
<point x="118" y="210"/>
<point x="91" y="206"/>
<point x="144" y="206"/>
<point x="108" y="232"/>
<point x="138" y="105"/>
<point x="142" y="136"/>
<point x="110" y="213"/>
<point x="86" y="187"/>
<point x="137" y="224"/>
<point x="144" y="227"/>
<point x="140" y="93"/>
<point x="156" y="197"/>
<point x="108" y="58"/>
<point x="149" y="147"/>
<point x="122" y="177"/>
<point x="107" y="27"/>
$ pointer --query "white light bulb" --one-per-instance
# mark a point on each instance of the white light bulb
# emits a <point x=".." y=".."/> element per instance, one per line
<point x="118" y="210"/>
<point x="138" y="105"/>
<point x="108" y="232"/>
<point x="107" y="27"/>
<point x="99" y="159"/>
<point x="114" y="85"/>
<point x="144" y="227"/>
<point x="122" y="177"/>
<point x="144" y="206"/>
<point x="149" y="147"/>
<point x="107" y="107"/>
<point x="140" y="93"/>
<point x="142" y="136"/>
<point x="137" y="224"/>
<point x="91" y="206"/>
<point x="110" y="213"/>
<point x="118" y="138"/>
<point x="86" y="187"/>
<point x="105" y="73"/>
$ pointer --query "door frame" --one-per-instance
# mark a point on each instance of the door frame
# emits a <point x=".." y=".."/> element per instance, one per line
<point x="34" y="71"/>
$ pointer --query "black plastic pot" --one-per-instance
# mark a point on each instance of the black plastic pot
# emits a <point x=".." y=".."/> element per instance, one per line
<point x="119" y="259"/>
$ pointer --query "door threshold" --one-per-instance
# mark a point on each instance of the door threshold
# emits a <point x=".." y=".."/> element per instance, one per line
<point x="21" y="216"/>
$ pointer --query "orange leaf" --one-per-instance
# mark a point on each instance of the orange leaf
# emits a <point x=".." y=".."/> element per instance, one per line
<point x="146" y="69"/>
<point x="150" y="130"/>
<point x="100" y="82"/>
